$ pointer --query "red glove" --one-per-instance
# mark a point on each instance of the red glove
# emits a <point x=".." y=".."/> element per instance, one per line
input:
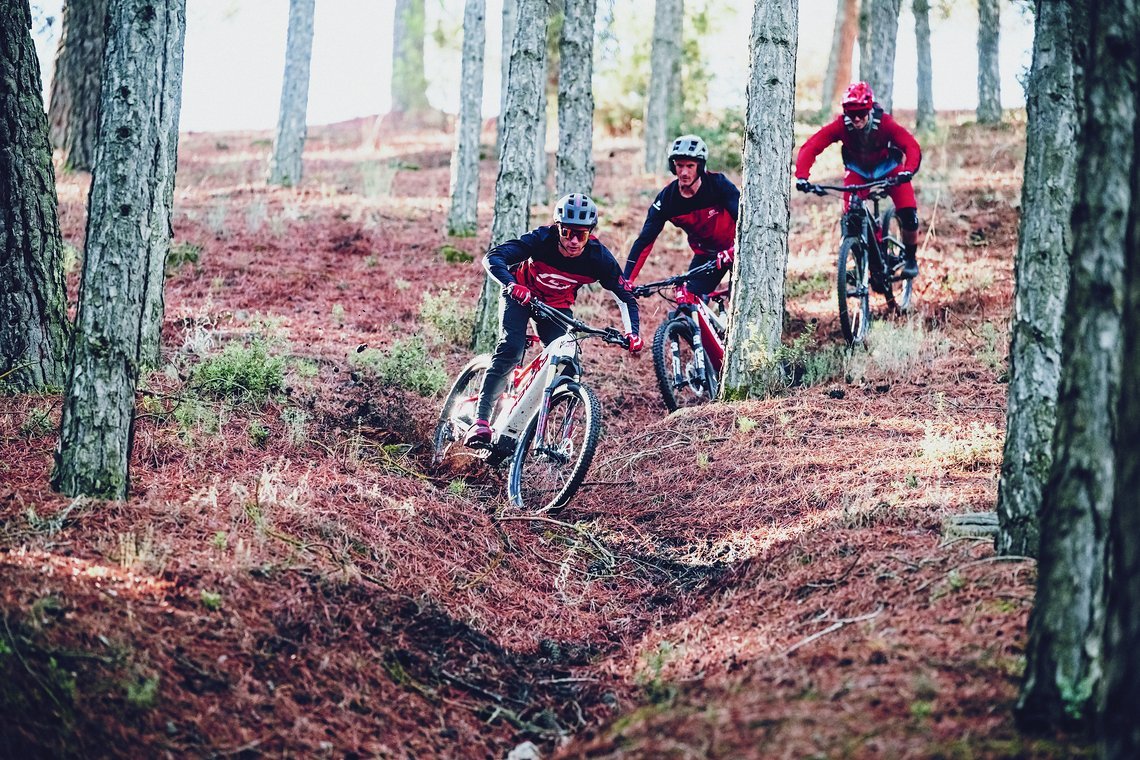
<point x="519" y="293"/>
<point x="635" y="342"/>
<point x="725" y="257"/>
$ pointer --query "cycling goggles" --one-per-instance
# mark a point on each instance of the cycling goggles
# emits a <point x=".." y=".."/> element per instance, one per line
<point x="577" y="234"/>
<point x="858" y="114"/>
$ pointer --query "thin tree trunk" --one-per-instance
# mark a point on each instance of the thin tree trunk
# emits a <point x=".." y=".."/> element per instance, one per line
<point x="574" y="169"/>
<point x="510" y="25"/>
<point x="74" y="100"/>
<point x="925" y="121"/>
<point x="1042" y="274"/>
<point x="128" y="237"/>
<point x="884" y="35"/>
<point x="33" y="327"/>
<point x="289" y="144"/>
<point x="756" y="316"/>
<point x="664" y="77"/>
<point x="516" y="159"/>
<point x="539" y="193"/>
<point x="1063" y="671"/>
<point x="462" y="216"/>
<point x="409" y="80"/>
<point x="866" y="59"/>
<point x="839" y="62"/>
<point x="989" y="74"/>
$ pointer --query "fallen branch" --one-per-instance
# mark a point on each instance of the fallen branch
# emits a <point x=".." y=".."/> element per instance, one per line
<point x="983" y="561"/>
<point x="833" y="627"/>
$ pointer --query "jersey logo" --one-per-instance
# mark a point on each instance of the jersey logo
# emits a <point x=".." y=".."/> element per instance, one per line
<point x="712" y="213"/>
<point x="556" y="281"/>
<point x="657" y="205"/>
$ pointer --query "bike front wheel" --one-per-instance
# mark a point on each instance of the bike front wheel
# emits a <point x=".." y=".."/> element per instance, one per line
<point x="685" y="375"/>
<point x="547" y="471"/>
<point x="853" y="289"/>
<point x="893" y="247"/>
<point x="459" y="407"/>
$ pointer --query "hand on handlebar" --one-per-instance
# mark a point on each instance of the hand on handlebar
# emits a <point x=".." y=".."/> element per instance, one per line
<point x="725" y="257"/>
<point x="803" y="185"/>
<point x="519" y="293"/>
<point x="902" y="178"/>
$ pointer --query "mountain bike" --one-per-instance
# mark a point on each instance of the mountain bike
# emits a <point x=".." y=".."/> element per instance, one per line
<point x="547" y="420"/>
<point x="688" y="347"/>
<point x="870" y="257"/>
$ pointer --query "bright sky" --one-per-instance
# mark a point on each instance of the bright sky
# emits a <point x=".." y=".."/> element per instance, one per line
<point x="235" y="51"/>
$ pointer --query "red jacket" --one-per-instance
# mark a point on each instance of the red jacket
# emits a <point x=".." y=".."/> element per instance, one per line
<point x="863" y="150"/>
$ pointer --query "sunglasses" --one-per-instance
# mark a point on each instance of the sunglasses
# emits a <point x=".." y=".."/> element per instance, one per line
<point x="571" y="233"/>
<point x="858" y="114"/>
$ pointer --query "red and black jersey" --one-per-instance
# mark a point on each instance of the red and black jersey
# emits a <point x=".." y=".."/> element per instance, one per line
<point x="864" y="150"/>
<point x="535" y="261"/>
<point x="708" y="218"/>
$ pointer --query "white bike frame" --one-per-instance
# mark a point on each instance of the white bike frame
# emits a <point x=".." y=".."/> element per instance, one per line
<point x="529" y="386"/>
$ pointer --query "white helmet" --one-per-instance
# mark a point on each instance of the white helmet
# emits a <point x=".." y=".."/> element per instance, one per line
<point x="576" y="208"/>
<point x="689" y="146"/>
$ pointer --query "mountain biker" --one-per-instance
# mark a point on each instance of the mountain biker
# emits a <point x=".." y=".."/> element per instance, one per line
<point x="549" y="263"/>
<point x="874" y="146"/>
<point x="702" y="203"/>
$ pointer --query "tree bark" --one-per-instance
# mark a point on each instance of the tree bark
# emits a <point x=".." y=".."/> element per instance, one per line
<point x="289" y="143"/>
<point x="884" y="34"/>
<point x="574" y="168"/>
<point x="1063" y="671"/>
<point x="74" y="100"/>
<point x="1054" y="106"/>
<point x="925" y="121"/>
<point x="513" y="187"/>
<point x="539" y="194"/>
<point x="462" y="217"/>
<point x="409" y="81"/>
<point x="866" y="59"/>
<point x="128" y="237"/>
<point x="756" y="316"/>
<point x="838" y="73"/>
<point x="989" y="75"/>
<point x="661" y="110"/>
<point x="33" y="299"/>
<point x="510" y="25"/>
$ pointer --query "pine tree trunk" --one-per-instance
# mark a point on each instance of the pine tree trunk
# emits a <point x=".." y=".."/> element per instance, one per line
<point x="1042" y="277"/>
<point x="33" y="300"/>
<point x="288" y="145"/>
<point x="925" y="120"/>
<point x="539" y="194"/>
<point x="74" y="100"/>
<point x="866" y="59"/>
<point x="838" y="74"/>
<point x="664" y="77"/>
<point x="989" y="75"/>
<point x="510" y="25"/>
<point x="1064" y="664"/>
<point x="409" y="81"/>
<point x="884" y="34"/>
<point x="462" y="217"/>
<point x="513" y="187"/>
<point x="756" y="316"/>
<point x="574" y="167"/>
<point x="128" y="237"/>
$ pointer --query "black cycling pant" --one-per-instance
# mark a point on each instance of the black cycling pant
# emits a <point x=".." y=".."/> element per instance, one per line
<point x="512" y="345"/>
<point x="703" y="284"/>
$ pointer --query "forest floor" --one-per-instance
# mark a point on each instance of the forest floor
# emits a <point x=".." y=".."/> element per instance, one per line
<point x="292" y="576"/>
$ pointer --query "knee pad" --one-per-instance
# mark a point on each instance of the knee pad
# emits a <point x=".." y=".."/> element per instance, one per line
<point x="908" y="218"/>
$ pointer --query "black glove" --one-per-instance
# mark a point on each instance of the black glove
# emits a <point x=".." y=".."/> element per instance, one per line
<point x="803" y="185"/>
<point x="903" y="177"/>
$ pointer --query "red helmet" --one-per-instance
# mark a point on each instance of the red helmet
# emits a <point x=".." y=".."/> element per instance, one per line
<point x="858" y="97"/>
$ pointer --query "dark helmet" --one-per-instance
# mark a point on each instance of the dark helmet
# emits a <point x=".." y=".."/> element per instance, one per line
<point x="577" y="209"/>
<point x="689" y="146"/>
<point x="859" y="97"/>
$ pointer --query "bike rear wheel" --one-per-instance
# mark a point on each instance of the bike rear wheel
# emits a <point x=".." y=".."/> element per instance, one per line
<point x="459" y="407"/>
<point x="686" y="377"/>
<point x="893" y="247"/>
<point x="546" y="473"/>
<point x="853" y="289"/>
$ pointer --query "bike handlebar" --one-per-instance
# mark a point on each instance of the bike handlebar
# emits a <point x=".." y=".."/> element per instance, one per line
<point x="878" y="184"/>
<point x="649" y="288"/>
<point x="608" y="334"/>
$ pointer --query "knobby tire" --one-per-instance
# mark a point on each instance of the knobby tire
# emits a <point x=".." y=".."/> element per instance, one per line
<point x="854" y="295"/>
<point x="459" y="407"/>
